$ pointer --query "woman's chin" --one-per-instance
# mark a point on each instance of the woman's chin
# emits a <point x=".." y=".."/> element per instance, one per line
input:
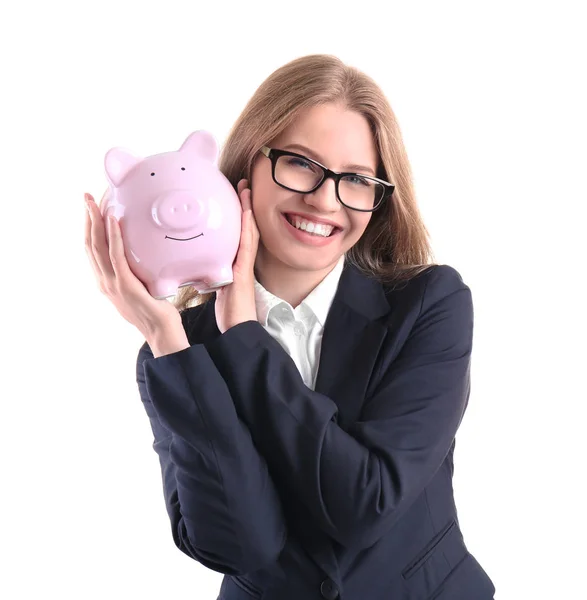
<point x="298" y="259"/>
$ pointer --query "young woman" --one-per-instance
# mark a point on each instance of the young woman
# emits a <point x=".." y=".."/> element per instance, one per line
<point x="305" y="415"/>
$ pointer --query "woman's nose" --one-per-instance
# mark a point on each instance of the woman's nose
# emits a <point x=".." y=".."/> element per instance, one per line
<point x="324" y="198"/>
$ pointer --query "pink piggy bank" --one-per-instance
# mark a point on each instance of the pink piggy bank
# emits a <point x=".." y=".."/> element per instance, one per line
<point x="179" y="216"/>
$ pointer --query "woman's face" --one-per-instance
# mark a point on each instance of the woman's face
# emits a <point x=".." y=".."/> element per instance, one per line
<point x="339" y="139"/>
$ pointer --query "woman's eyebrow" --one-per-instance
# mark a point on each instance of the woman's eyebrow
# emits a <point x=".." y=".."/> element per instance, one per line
<point x="315" y="156"/>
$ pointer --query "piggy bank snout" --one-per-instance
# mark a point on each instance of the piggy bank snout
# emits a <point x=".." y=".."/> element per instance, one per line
<point x="177" y="210"/>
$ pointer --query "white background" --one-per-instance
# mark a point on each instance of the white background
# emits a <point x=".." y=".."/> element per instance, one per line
<point x="491" y="101"/>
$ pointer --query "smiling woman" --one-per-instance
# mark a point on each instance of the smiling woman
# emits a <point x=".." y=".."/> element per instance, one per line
<point x="287" y="254"/>
<point x="305" y="415"/>
<point x="336" y="120"/>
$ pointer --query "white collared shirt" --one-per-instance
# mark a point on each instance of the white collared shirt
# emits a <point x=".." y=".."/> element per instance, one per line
<point x="299" y="330"/>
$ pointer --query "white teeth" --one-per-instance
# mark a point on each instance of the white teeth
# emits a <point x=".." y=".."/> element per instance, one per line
<point x="311" y="227"/>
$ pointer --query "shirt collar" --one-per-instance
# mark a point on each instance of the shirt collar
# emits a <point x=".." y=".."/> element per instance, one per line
<point x="264" y="301"/>
<point x="318" y="300"/>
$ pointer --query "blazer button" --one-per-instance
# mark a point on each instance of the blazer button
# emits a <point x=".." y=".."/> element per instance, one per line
<point x="328" y="589"/>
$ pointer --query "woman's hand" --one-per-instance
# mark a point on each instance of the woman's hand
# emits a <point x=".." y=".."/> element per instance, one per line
<point x="235" y="302"/>
<point x="155" y="319"/>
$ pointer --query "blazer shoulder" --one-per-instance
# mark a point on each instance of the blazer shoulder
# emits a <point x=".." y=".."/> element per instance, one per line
<point x="443" y="280"/>
<point x="442" y="276"/>
<point x="415" y="296"/>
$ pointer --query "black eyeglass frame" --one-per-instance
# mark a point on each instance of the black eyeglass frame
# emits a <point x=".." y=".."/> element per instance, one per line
<point x="273" y="154"/>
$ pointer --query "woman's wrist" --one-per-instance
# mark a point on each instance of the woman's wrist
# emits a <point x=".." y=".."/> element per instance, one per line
<point x="167" y="340"/>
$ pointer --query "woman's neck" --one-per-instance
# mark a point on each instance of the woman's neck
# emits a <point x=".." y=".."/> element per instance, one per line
<point x="285" y="282"/>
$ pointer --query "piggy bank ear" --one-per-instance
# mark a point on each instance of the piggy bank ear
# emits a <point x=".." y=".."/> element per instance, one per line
<point x="202" y="144"/>
<point x="118" y="162"/>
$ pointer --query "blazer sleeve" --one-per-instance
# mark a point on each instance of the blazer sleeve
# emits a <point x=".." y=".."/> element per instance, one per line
<point x="221" y="501"/>
<point x="356" y="482"/>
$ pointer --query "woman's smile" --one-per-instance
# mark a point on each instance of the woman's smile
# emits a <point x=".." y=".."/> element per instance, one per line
<point x="309" y="232"/>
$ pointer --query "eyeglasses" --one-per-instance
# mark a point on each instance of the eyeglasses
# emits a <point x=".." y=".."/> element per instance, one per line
<point x="298" y="173"/>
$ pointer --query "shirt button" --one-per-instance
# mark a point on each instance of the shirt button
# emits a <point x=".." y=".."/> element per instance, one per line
<point x="328" y="589"/>
<point x="299" y="328"/>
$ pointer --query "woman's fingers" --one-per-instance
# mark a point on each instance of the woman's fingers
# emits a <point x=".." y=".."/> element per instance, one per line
<point x="241" y="185"/>
<point x="100" y="245"/>
<point x="123" y="274"/>
<point x="247" y="204"/>
<point x="249" y="234"/>
<point x="88" y="245"/>
<point x="114" y="250"/>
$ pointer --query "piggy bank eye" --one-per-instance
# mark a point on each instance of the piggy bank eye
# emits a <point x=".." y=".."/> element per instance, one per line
<point x="183" y="168"/>
<point x="152" y="174"/>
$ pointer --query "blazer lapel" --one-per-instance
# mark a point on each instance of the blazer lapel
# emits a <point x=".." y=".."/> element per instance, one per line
<point x="351" y="342"/>
<point x="350" y="345"/>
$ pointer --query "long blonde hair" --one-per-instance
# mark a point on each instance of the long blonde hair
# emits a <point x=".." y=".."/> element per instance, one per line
<point x="395" y="245"/>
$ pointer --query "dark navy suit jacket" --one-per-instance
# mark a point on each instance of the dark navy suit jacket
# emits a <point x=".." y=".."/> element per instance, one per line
<point x="342" y="492"/>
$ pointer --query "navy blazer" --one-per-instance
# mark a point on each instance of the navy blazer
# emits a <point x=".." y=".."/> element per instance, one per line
<point x="343" y="492"/>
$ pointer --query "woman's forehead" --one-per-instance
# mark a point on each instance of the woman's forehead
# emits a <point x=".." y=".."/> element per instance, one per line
<point x="331" y="134"/>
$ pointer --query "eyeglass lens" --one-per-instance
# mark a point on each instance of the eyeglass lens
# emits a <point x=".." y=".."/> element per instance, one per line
<point x="302" y="176"/>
